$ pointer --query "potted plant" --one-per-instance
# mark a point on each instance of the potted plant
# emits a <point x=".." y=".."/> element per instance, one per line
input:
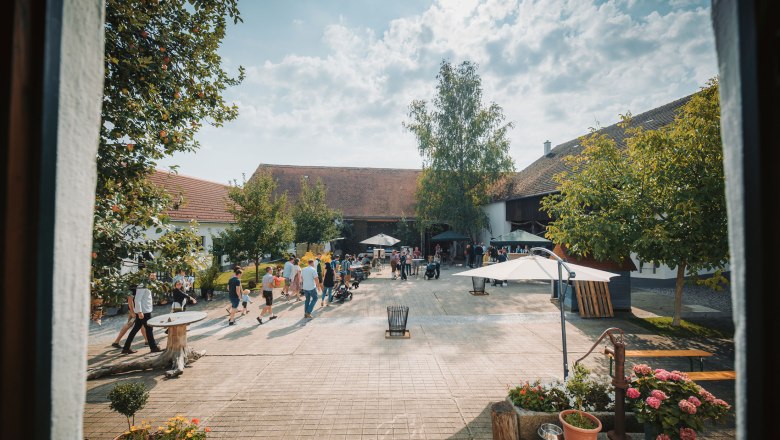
<point x="127" y="399"/>
<point x="670" y="404"/>
<point x="577" y="423"/>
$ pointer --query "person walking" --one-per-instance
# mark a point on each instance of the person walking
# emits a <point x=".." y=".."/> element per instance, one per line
<point x="402" y="263"/>
<point x="394" y="263"/>
<point x="311" y="285"/>
<point x="319" y="266"/>
<point x="467" y="254"/>
<point x="234" y="294"/>
<point x="287" y="273"/>
<point x="479" y="252"/>
<point x="437" y="262"/>
<point x="268" y="295"/>
<point x="328" y="283"/>
<point x="180" y="297"/>
<point x="295" y="284"/>
<point x="130" y="320"/>
<point x="143" y="312"/>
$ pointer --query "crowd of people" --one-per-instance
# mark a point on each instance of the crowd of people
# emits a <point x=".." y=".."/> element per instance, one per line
<point x="297" y="284"/>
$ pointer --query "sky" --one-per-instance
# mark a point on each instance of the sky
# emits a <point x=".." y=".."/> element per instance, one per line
<point x="329" y="82"/>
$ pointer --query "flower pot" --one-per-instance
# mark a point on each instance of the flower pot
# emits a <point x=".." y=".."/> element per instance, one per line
<point x="574" y="433"/>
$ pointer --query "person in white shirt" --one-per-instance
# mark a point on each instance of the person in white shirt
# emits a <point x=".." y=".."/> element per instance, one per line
<point x="288" y="273"/>
<point x="143" y="311"/>
<point x="268" y="295"/>
<point x="311" y="287"/>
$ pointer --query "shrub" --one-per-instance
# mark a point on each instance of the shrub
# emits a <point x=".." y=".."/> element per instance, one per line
<point x="589" y="393"/>
<point x="128" y="398"/>
<point x="672" y="402"/>
<point x="538" y="397"/>
<point x="582" y="391"/>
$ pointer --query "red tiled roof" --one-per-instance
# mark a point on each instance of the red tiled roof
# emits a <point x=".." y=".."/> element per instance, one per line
<point x="359" y="193"/>
<point x="204" y="201"/>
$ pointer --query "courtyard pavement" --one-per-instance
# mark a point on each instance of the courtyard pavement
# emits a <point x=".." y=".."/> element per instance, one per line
<point x="337" y="377"/>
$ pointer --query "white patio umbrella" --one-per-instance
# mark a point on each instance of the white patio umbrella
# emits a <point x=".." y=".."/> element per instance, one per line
<point x="535" y="267"/>
<point x="381" y="240"/>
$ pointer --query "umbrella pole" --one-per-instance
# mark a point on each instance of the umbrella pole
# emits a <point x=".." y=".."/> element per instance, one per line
<point x="561" y="299"/>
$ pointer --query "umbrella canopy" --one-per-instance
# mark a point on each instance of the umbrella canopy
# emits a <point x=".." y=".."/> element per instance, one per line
<point x="534" y="267"/>
<point x="381" y="240"/>
<point x="449" y="236"/>
<point x="519" y="237"/>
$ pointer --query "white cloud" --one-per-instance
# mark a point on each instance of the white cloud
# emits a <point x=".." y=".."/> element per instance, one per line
<point x="554" y="66"/>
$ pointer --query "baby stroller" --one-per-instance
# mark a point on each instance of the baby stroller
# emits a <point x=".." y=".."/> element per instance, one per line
<point x="430" y="271"/>
<point x="342" y="293"/>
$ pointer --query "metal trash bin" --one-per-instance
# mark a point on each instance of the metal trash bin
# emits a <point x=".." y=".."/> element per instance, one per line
<point x="396" y="319"/>
<point x="479" y="284"/>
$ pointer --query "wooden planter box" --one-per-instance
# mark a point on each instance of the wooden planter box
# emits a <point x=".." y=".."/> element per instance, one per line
<point x="528" y="422"/>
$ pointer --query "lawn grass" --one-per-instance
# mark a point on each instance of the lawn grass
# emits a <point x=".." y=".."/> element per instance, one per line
<point x="663" y="327"/>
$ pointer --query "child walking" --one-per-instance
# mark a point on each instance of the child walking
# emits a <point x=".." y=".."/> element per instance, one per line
<point x="245" y="299"/>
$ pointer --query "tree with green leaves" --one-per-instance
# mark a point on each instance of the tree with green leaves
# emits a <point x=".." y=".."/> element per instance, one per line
<point x="464" y="147"/>
<point x="263" y="224"/>
<point x="314" y="221"/>
<point x="163" y="80"/>
<point x="663" y="197"/>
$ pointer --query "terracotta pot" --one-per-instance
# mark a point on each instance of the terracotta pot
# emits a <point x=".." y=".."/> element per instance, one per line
<point x="573" y="433"/>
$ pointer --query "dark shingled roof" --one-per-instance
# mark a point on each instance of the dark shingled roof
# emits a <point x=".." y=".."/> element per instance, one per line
<point x="536" y="179"/>
<point x="359" y="193"/>
<point x="204" y="201"/>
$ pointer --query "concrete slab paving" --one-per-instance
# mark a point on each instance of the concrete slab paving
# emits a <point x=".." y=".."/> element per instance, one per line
<point x="336" y="376"/>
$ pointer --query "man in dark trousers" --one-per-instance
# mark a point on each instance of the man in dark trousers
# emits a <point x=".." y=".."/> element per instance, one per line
<point x="143" y="312"/>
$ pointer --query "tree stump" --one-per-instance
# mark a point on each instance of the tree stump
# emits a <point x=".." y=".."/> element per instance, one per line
<point x="504" y="421"/>
<point x="176" y="356"/>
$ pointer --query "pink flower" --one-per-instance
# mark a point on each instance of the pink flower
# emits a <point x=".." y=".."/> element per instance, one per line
<point x="687" y="434"/>
<point x="658" y="394"/>
<point x="662" y="437"/>
<point x="708" y="397"/>
<point x="721" y="403"/>
<point x="687" y="407"/>
<point x="662" y="375"/>
<point x="679" y="376"/>
<point x="696" y="402"/>
<point x="653" y="402"/>
<point x="642" y="369"/>
<point x="632" y="393"/>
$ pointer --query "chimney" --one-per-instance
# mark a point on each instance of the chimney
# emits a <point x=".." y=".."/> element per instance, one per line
<point x="546" y="148"/>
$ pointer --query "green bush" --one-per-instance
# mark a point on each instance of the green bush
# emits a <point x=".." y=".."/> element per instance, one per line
<point x="582" y="391"/>
<point x="128" y="398"/>
<point x="589" y="393"/>
<point x="538" y="397"/>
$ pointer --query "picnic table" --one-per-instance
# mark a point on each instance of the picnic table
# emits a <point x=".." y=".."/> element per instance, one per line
<point x="176" y="349"/>
<point x="690" y="354"/>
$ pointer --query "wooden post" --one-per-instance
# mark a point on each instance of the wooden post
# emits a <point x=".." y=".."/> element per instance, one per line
<point x="504" y="421"/>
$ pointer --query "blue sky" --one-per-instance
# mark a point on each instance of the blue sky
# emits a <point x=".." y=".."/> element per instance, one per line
<point x="329" y="82"/>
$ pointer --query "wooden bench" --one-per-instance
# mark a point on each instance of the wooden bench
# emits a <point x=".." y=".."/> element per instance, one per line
<point x="712" y="375"/>
<point x="690" y="354"/>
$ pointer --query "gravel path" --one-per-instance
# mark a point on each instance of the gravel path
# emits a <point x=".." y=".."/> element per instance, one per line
<point x="699" y="295"/>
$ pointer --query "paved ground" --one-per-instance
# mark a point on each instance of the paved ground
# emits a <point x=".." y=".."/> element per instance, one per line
<point x="336" y="376"/>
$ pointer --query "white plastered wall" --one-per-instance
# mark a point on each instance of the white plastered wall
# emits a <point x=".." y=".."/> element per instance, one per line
<point x="80" y="95"/>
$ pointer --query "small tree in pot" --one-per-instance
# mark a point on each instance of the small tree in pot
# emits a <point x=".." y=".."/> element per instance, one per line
<point x="578" y="424"/>
<point x="127" y="399"/>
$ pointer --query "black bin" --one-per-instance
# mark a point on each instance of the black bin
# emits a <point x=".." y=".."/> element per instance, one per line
<point x="396" y="319"/>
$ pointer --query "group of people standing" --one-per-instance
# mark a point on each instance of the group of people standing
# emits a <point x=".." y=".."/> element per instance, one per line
<point x="140" y="302"/>
<point x="406" y="262"/>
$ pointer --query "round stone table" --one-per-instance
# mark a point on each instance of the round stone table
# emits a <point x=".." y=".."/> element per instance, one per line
<point x="176" y="350"/>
